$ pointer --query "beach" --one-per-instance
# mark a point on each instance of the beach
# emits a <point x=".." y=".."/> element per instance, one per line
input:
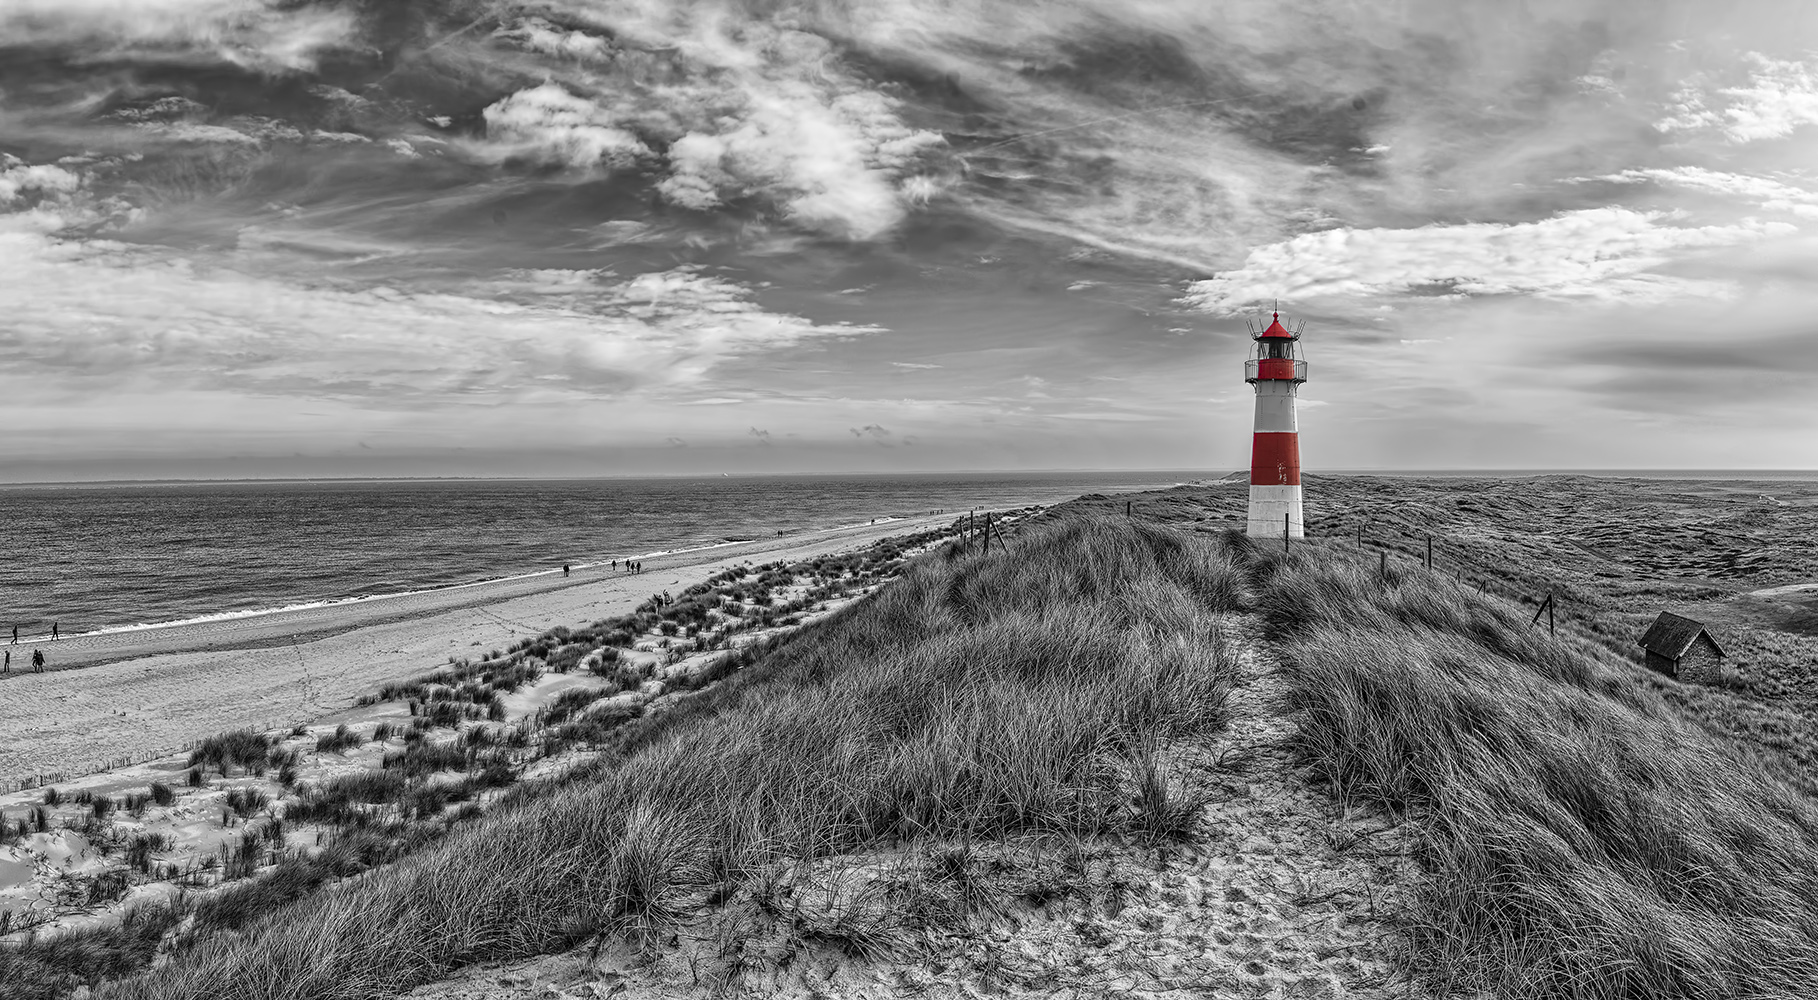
<point x="127" y="695"/>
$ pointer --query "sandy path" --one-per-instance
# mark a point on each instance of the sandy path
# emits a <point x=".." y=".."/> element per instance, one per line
<point x="146" y="692"/>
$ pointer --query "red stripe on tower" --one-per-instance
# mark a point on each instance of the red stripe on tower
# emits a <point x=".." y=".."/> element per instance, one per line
<point x="1275" y="459"/>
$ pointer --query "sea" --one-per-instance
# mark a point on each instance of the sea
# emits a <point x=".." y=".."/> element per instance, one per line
<point x="120" y="555"/>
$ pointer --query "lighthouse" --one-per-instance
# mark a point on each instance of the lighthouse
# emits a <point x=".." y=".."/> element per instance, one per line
<point x="1275" y="369"/>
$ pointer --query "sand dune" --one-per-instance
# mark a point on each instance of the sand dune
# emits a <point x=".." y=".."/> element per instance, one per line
<point x="148" y="691"/>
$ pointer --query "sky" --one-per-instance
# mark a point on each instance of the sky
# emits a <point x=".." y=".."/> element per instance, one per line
<point x="272" y="238"/>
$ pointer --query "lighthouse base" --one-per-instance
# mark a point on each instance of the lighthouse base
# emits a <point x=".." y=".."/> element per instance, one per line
<point x="1274" y="507"/>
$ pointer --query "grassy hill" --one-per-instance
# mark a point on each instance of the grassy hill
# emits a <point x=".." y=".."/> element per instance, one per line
<point x="1118" y="755"/>
<point x="1612" y="552"/>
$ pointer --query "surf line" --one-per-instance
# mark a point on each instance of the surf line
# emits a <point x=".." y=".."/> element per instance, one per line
<point x="335" y="602"/>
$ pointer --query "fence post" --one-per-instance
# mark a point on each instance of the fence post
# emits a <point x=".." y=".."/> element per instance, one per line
<point x="1284" y="531"/>
<point x="987" y="532"/>
<point x="1383" y="567"/>
<point x="1129" y="508"/>
<point x="1429" y="550"/>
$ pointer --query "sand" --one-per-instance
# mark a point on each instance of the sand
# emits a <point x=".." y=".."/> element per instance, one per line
<point x="117" y="697"/>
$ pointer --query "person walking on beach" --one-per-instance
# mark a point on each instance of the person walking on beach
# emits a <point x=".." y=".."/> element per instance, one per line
<point x="564" y="569"/>
<point x="53" y="631"/>
<point x="37" y="661"/>
<point x="6" y="665"/>
<point x="15" y="635"/>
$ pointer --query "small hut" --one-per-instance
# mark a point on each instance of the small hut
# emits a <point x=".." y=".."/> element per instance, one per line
<point x="1680" y="647"/>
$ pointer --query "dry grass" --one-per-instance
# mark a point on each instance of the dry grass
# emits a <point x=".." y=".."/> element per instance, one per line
<point x="1586" y="838"/>
<point x="975" y="698"/>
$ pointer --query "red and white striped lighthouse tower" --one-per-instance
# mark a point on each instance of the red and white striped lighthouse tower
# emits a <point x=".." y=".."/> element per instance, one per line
<point x="1275" y="369"/>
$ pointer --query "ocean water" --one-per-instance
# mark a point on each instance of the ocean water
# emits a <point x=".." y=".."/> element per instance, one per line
<point x="97" y="557"/>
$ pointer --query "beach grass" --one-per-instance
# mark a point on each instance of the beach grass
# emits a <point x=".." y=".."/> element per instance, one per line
<point x="978" y="697"/>
<point x="1586" y="829"/>
<point x="1585" y="837"/>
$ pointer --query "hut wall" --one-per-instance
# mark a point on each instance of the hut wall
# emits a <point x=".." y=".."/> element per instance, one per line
<point x="1701" y="664"/>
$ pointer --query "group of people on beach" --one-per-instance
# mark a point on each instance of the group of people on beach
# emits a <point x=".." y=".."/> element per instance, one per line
<point x="630" y="566"/>
<point x="6" y="662"/>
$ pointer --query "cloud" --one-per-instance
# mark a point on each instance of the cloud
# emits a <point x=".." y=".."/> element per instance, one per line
<point x="876" y="433"/>
<point x="549" y="125"/>
<point x="1605" y="253"/>
<point x="19" y="180"/>
<point x="757" y="110"/>
<point x="264" y="35"/>
<point x="1780" y="96"/>
<point x="188" y="321"/>
<point x="586" y="221"/>
<point x="1765" y="192"/>
<point x="830" y="164"/>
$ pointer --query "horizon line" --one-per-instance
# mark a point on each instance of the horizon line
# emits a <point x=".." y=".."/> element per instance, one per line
<point x="1607" y="472"/>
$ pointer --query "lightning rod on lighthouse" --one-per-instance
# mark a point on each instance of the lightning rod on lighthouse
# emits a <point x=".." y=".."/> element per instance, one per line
<point x="1276" y="370"/>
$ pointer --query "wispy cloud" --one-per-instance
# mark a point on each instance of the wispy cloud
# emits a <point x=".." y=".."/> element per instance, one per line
<point x="1607" y="254"/>
<point x="178" y="319"/>
<point x="1764" y="192"/>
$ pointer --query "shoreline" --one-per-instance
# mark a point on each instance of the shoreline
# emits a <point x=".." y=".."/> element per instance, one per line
<point x="330" y="602"/>
<point x="126" y="695"/>
<point x="263" y="627"/>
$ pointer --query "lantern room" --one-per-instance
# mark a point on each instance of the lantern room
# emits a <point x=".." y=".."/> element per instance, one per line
<point x="1275" y="355"/>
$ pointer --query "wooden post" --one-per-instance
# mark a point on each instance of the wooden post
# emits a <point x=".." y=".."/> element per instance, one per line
<point x="1429" y="550"/>
<point x="1383" y="568"/>
<point x="987" y="532"/>
<point x="1128" y="512"/>
<point x="1360" y="534"/>
<point x="1284" y="531"/>
<point x="1546" y="607"/>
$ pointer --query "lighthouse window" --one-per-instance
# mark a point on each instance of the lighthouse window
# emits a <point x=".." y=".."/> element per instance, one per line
<point x="1277" y="349"/>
